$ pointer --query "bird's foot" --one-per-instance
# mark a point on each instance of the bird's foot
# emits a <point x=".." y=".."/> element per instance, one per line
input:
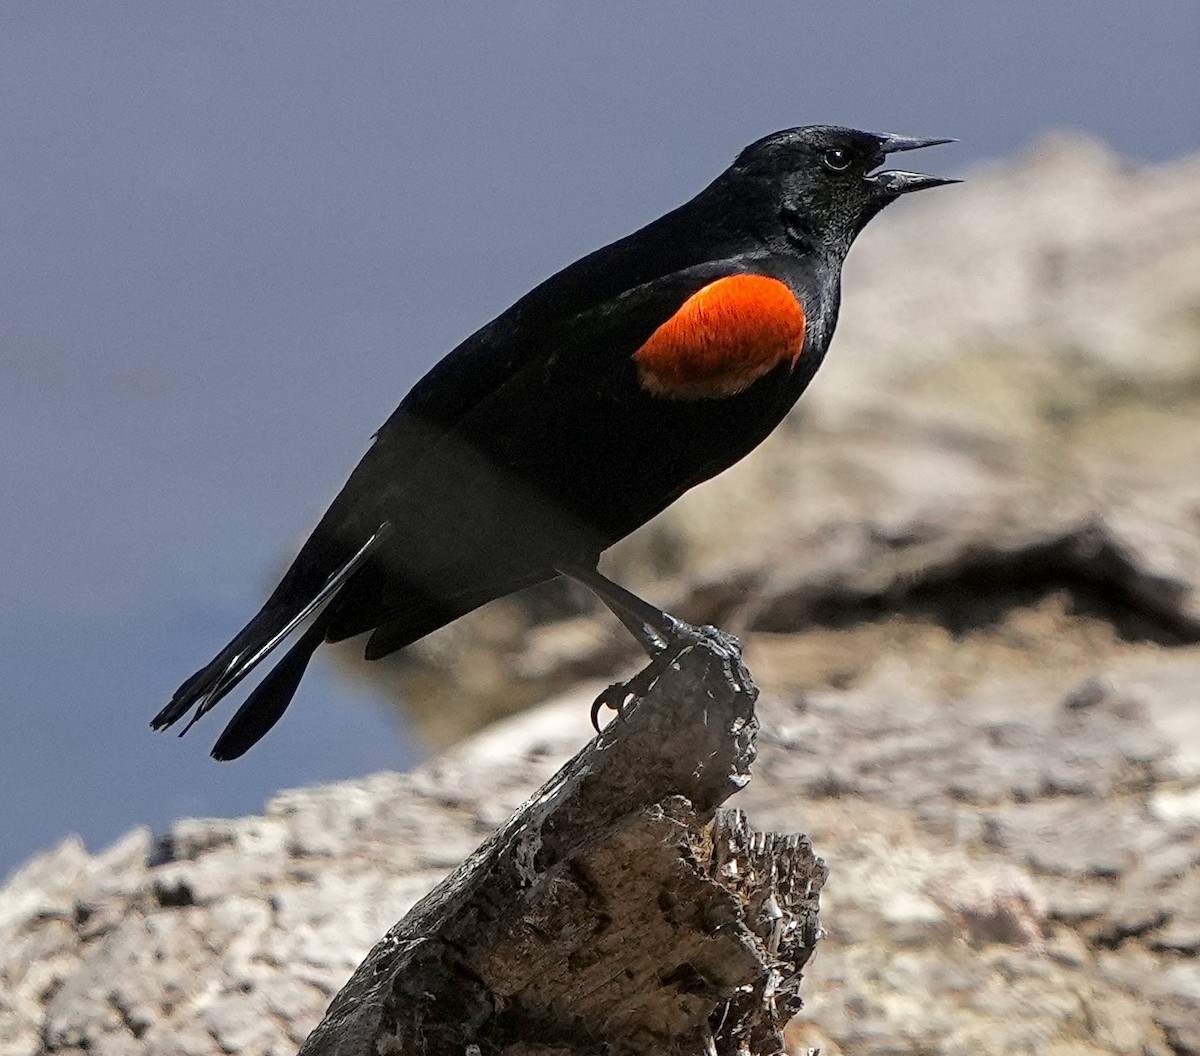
<point x="683" y="636"/>
<point x="620" y="695"/>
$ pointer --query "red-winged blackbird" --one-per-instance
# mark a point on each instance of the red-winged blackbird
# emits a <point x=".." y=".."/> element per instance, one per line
<point x="575" y="416"/>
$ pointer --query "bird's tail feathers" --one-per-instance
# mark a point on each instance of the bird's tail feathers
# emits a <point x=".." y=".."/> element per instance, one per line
<point x="253" y="644"/>
<point x="269" y="699"/>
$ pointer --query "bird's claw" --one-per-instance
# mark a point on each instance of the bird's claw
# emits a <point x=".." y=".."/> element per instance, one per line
<point x="616" y="696"/>
<point x="620" y="695"/>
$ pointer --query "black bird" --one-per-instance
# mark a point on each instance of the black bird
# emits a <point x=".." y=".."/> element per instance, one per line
<point x="575" y="416"/>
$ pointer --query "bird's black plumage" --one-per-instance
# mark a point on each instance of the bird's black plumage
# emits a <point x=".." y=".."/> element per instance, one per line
<point x="544" y="437"/>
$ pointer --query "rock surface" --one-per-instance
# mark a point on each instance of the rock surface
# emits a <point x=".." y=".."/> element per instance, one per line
<point x="968" y="576"/>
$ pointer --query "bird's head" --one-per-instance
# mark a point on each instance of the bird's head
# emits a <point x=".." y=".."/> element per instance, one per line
<point x="823" y="180"/>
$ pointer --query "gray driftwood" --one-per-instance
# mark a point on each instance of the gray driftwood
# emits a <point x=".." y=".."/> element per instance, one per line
<point x="616" y="911"/>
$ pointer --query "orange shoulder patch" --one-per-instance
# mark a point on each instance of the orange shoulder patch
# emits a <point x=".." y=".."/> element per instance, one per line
<point x="722" y="339"/>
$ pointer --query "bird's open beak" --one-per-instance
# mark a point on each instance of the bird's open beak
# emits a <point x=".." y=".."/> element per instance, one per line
<point x="894" y="182"/>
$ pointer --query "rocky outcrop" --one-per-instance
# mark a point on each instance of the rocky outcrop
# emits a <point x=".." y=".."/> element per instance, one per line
<point x="967" y="572"/>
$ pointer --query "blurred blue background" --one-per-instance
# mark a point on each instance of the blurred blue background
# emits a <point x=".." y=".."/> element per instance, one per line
<point x="232" y="235"/>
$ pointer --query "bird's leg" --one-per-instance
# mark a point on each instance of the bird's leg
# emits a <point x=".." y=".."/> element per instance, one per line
<point x="657" y="632"/>
<point x="653" y="628"/>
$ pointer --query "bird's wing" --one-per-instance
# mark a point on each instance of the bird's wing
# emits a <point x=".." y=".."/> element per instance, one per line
<point x="540" y="348"/>
<point x="524" y="352"/>
<point x="449" y="457"/>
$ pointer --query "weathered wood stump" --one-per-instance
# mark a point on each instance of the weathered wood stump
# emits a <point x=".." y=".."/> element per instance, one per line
<point x="616" y="911"/>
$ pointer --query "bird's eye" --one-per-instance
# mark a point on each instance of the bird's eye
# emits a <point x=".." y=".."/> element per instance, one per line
<point x="837" y="160"/>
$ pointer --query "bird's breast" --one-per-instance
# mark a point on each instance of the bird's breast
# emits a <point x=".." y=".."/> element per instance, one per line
<point x="722" y="339"/>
